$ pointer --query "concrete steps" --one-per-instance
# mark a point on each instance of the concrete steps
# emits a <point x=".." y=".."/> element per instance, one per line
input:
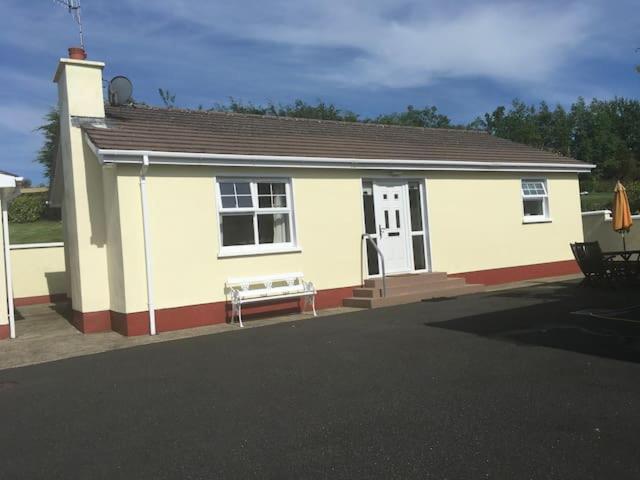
<point x="408" y="289"/>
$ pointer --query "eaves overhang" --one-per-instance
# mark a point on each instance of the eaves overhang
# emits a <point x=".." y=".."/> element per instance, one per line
<point x="115" y="156"/>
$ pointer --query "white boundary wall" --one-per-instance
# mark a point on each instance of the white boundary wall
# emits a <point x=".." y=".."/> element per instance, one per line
<point x="38" y="269"/>
<point x="597" y="228"/>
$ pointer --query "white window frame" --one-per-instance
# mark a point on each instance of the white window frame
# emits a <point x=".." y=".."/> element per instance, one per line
<point x="424" y="231"/>
<point x="256" y="248"/>
<point x="544" y="198"/>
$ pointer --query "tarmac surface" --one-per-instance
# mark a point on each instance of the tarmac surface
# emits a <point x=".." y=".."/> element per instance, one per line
<point x="535" y="383"/>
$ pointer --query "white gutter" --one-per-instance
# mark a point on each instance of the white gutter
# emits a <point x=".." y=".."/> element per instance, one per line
<point x="279" y="161"/>
<point x="147" y="244"/>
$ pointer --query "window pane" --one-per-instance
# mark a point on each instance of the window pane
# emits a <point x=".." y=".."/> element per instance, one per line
<point x="372" y="259"/>
<point x="237" y="230"/>
<point x="369" y="213"/>
<point x="278" y="188"/>
<point x="273" y="228"/>
<point x="264" y="189"/>
<point x="228" y="202"/>
<point x="242" y="188"/>
<point x="264" y="201"/>
<point x="418" y="253"/>
<point x="244" y="201"/>
<point x="533" y="188"/>
<point x="533" y="208"/>
<point x="416" y="207"/>
<point x="227" y="189"/>
<point x="280" y="201"/>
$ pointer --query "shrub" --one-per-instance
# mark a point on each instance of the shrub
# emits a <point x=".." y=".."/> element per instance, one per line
<point x="633" y="192"/>
<point x="27" y="208"/>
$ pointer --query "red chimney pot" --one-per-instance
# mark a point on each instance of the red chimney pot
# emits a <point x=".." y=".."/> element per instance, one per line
<point x="77" y="53"/>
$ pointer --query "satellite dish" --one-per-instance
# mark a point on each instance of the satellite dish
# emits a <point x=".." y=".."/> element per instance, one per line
<point x="120" y="90"/>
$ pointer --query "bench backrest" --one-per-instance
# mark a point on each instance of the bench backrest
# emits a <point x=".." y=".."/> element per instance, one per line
<point x="265" y="282"/>
<point x="589" y="257"/>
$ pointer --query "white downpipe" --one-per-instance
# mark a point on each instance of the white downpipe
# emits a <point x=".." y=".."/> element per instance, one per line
<point x="147" y="244"/>
<point x="7" y="265"/>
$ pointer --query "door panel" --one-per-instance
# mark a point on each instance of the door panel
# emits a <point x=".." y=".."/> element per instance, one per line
<point x="391" y="203"/>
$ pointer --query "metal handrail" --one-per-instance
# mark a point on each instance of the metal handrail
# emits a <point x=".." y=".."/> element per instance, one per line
<point x="366" y="236"/>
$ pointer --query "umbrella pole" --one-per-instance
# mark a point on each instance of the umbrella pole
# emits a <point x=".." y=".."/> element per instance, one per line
<point x="624" y="243"/>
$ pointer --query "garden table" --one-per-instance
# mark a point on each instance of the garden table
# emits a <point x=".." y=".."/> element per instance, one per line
<point x="629" y="263"/>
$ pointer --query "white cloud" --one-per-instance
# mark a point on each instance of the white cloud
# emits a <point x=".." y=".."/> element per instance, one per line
<point x="410" y="43"/>
<point x="380" y="43"/>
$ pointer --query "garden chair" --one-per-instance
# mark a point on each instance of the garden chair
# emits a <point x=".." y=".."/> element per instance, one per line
<point x="596" y="266"/>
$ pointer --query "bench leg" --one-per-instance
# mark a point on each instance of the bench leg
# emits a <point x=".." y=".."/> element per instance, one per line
<point x="240" y="315"/>
<point x="310" y="299"/>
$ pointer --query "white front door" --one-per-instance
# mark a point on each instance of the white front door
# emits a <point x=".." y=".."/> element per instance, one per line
<point x="391" y="200"/>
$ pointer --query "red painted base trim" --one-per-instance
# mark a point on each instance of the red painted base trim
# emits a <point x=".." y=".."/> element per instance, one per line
<point x="167" y="319"/>
<point x="91" y="322"/>
<point x="53" y="298"/>
<point x="523" y="272"/>
<point x="4" y="332"/>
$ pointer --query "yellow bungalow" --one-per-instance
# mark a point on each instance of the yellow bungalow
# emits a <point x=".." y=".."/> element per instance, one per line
<point x="161" y="207"/>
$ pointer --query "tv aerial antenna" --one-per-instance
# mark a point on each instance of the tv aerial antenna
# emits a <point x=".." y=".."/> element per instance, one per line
<point x="74" y="9"/>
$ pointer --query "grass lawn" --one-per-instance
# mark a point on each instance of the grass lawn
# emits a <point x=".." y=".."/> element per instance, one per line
<point x="41" y="231"/>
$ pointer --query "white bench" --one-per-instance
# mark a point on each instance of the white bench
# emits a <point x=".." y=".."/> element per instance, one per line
<point x="266" y="288"/>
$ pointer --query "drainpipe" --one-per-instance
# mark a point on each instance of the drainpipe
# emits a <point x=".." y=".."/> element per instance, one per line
<point x="147" y="243"/>
<point x="7" y="264"/>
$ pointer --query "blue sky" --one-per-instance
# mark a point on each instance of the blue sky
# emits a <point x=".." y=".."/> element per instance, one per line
<point x="369" y="56"/>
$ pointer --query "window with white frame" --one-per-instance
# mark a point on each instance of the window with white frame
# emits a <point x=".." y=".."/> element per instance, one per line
<point x="535" y="200"/>
<point x="255" y="215"/>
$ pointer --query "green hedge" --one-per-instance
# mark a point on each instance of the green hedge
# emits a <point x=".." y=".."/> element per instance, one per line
<point x="603" y="199"/>
<point x="27" y="208"/>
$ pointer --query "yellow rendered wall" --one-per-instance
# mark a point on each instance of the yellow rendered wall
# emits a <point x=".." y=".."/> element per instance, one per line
<point x="4" y="312"/>
<point x="475" y="224"/>
<point x="185" y="243"/>
<point x="597" y="228"/>
<point x="80" y="94"/>
<point x="113" y="239"/>
<point x="38" y="271"/>
<point x="475" y="221"/>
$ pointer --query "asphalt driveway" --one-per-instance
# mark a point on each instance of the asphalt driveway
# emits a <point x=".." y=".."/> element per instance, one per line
<point x="504" y="385"/>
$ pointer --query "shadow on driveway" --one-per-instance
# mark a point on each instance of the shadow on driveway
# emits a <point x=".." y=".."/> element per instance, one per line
<point x="600" y="322"/>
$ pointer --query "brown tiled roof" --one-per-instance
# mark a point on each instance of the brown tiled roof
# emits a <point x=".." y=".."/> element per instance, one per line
<point x="192" y="131"/>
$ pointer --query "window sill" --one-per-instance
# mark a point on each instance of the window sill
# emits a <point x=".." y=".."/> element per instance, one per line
<point x="228" y="253"/>
<point x="527" y="221"/>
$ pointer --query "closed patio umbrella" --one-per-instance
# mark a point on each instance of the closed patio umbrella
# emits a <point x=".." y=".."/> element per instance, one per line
<point x="621" y="212"/>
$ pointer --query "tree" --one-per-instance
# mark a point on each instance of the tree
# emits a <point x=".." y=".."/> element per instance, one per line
<point x="297" y="109"/>
<point x="604" y="133"/>
<point x="427" y="117"/>
<point x="51" y="131"/>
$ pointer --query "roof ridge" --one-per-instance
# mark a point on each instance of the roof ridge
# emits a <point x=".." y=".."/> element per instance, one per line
<point x="296" y="119"/>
